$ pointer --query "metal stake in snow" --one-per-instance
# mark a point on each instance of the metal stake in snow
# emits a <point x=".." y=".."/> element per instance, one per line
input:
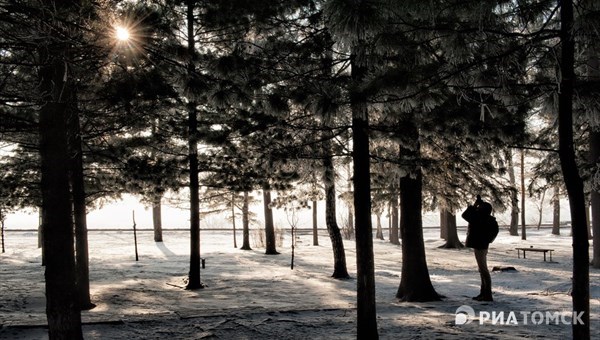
<point x="135" y="236"/>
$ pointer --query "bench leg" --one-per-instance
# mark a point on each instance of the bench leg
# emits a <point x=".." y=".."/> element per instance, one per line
<point x="544" y="256"/>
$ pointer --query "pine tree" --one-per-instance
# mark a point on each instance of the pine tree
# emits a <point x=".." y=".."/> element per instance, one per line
<point x="64" y="318"/>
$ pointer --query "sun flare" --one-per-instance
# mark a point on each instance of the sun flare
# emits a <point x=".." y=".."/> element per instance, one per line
<point x="122" y="33"/>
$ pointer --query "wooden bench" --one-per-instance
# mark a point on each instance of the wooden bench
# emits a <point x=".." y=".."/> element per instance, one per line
<point x="538" y="250"/>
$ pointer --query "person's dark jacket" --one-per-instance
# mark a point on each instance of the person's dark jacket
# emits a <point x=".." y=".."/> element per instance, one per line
<point x="477" y="232"/>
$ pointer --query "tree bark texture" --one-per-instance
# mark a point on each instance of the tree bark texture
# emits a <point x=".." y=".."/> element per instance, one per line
<point x="79" y="207"/>
<point x="379" y="234"/>
<point x="556" y="212"/>
<point x="62" y="307"/>
<point x="595" y="200"/>
<point x="573" y="181"/>
<point x="513" y="228"/>
<point x="194" y="278"/>
<point x="415" y="282"/>
<point x="157" y="219"/>
<point x="365" y="263"/>
<point x="233" y="220"/>
<point x="452" y="240"/>
<point x="315" y="224"/>
<point x="443" y="224"/>
<point x="523" y="223"/>
<point x="593" y="72"/>
<point x="395" y="235"/>
<point x="245" y="223"/>
<point x="340" y="270"/>
<point x="270" y="239"/>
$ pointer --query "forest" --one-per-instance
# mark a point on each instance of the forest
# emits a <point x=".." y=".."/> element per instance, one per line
<point x="421" y="104"/>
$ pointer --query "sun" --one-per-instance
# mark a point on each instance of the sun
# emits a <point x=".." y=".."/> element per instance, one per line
<point x="122" y="33"/>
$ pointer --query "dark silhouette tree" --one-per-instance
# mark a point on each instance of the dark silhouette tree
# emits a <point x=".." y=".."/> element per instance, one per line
<point x="573" y="181"/>
<point x="62" y="305"/>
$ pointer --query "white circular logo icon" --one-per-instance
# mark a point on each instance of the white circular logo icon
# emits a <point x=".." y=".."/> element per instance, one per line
<point x="464" y="315"/>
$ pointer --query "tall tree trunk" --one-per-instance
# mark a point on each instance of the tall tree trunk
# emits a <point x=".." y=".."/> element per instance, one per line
<point x="41" y="234"/>
<point x="194" y="281"/>
<point x="587" y="221"/>
<point x="523" y="224"/>
<point x="395" y="235"/>
<point x="270" y="239"/>
<point x="79" y="208"/>
<point x="541" y="210"/>
<point x="245" y="223"/>
<point x="452" y="240"/>
<point x="443" y="224"/>
<point x="379" y="234"/>
<point x="315" y="224"/>
<point x="593" y="71"/>
<point x="595" y="199"/>
<point x="2" y="230"/>
<point x="365" y="263"/>
<point x="389" y="220"/>
<point x="350" y="225"/>
<point x="573" y="181"/>
<point x="233" y="219"/>
<point x="62" y="307"/>
<point x="340" y="270"/>
<point x="415" y="283"/>
<point x="556" y="211"/>
<point x="513" y="229"/>
<point x="157" y="219"/>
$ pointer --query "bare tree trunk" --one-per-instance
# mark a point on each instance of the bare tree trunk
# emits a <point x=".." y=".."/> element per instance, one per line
<point x="194" y="280"/>
<point x="2" y="222"/>
<point x="365" y="264"/>
<point x="595" y="199"/>
<point x="79" y="208"/>
<point x="556" y="212"/>
<point x="340" y="270"/>
<point x="541" y="210"/>
<point x="395" y="235"/>
<point x="271" y="245"/>
<point x="157" y="219"/>
<point x="62" y="305"/>
<point x="588" y="221"/>
<point x="415" y="282"/>
<point x="245" y="223"/>
<point x="573" y="181"/>
<point x="513" y="229"/>
<point x="389" y="220"/>
<point x="41" y="234"/>
<point x="379" y="234"/>
<point x="315" y="224"/>
<point x="233" y="219"/>
<point x="523" y="225"/>
<point x="443" y="224"/>
<point x="452" y="240"/>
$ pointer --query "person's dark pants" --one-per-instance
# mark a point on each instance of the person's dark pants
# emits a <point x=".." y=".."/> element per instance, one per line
<point x="486" y="278"/>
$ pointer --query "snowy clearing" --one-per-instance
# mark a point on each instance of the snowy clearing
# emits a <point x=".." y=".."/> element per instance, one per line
<point x="250" y="295"/>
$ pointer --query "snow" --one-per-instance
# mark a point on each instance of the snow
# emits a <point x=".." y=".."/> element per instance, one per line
<point x="251" y="295"/>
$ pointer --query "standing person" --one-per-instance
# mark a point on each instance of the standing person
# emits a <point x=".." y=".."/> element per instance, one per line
<point x="479" y="238"/>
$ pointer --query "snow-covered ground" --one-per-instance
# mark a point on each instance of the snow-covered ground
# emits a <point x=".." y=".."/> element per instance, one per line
<point x="250" y="295"/>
